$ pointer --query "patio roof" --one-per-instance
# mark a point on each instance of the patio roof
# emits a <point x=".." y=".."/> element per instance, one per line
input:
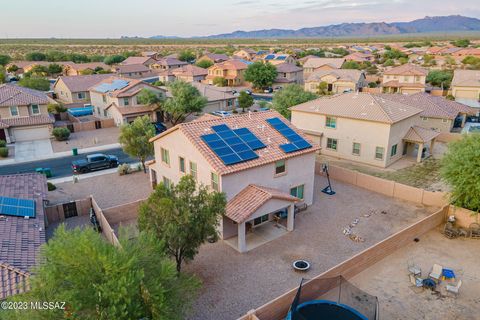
<point x="420" y="135"/>
<point x="247" y="201"/>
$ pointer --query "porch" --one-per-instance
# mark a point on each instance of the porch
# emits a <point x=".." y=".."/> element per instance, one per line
<point x="419" y="143"/>
<point x="258" y="236"/>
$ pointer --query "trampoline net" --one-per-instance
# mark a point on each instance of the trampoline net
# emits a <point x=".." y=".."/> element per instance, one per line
<point x="337" y="290"/>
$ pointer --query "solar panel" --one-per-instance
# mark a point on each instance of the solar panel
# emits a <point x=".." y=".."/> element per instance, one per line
<point x="115" y="85"/>
<point x="296" y="141"/>
<point x="17" y="207"/>
<point x="270" y="57"/>
<point x="233" y="146"/>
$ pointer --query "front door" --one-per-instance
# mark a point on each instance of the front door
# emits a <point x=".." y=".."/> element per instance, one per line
<point x="2" y="135"/>
<point x="70" y="210"/>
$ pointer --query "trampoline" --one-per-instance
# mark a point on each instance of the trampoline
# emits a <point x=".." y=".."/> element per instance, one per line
<point x="332" y="298"/>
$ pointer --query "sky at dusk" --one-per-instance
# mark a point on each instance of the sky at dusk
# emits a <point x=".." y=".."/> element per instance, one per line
<point x="115" y="18"/>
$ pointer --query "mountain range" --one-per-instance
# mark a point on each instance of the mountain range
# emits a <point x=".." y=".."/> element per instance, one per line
<point x="453" y="23"/>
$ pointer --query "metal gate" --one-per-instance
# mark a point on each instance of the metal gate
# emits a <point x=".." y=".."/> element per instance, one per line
<point x="70" y="210"/>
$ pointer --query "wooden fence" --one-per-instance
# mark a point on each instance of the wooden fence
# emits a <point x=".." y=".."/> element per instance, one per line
<point x="277" y="309"/>
<point x="107" y="229"/>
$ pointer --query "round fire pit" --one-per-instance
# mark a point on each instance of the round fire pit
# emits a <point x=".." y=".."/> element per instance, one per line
<point x="301" y="265"/>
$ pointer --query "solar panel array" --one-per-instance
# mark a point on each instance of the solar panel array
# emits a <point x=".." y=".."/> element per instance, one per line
<point x="270" y="57"/>
<point x="281" y="58"/>
<point x="17" y="207"/>
<point x="115" y="85"/>
<point x="233" y="146"/>
<point x="296" y="141"/>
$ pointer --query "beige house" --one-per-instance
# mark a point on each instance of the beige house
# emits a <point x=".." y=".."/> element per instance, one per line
<point x="246" y="54"/>
<point x="258" y="191"/>
<point x="116" y="98"/>
<point x="24" y="114"/>
<point x="213" y="57"/>
<point x="466" y="85"/>
<point x="314" y="64"/>
<point x="75" y="69"/>
<point x="26" y="66"/>
<point x="168" y="63"/>
<point x="364" y="128"/>
<point x="219" y="98"/>
<point x="288" y="73"/>
<point x="134" y="71"/>
<point x="145" y="60"/>
<point x="406" y="79"/>
<point x="190" y="73"/>
<point x="74" y="89"/>
<point x="232" y="71"/>
<point x="278" y="58"/>
<point x="337" y="80"/>
<point x="359" y="57"/>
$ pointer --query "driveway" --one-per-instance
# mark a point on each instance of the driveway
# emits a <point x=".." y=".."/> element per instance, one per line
<point x="33" y="150"/>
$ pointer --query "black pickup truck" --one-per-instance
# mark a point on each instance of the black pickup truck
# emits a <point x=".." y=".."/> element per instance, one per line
<point x="93" y="162"/>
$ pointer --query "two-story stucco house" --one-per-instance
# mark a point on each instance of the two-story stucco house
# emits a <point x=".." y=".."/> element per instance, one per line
<point x="74" y="89"/>
<point x="278" y="58"/>
<point x="288" y="73"/>
<point x="338" y="80"/>
<point x="75" y="69"/>
<point x="232" y="71"/>
<point x="190" y="73"/>
<point x="24" y="114"/>
<point x="314" y="64"/>
<point x="246" y="54"/>
<point x="364" y="128"/>
<point x="261" y="172"/>
<point x="466" y="85"/>
<point x="406" y="79"/>
<point x="117" y="98"/>
<point x="218" y="98"/>
<point x="168" y="63"/>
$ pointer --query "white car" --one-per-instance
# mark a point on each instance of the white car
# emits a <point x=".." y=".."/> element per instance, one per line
<point x="222" y="113"/>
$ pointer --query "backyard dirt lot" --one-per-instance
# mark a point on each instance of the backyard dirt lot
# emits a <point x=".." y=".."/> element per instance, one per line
<point x="235" y="283"/>
<point x="87" y="139"/>
<point x="108" y="190"/>
<point x="399" y="299"/>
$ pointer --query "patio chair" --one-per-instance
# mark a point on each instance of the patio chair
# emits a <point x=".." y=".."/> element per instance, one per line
<point x="454" y="288"/>
<point x="436" y="272"/>
<point x="414" y="269"/>
<point x="416" y="281"/>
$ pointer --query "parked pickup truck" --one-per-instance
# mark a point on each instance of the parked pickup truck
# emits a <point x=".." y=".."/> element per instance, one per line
<point x="97" y="161"/>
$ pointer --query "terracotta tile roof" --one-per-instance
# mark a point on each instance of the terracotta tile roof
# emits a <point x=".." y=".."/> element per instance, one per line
<point x="13" y="95"/>
<point x="466" y="78"/>
<point x="170" y="61"/>
<point x="287" y="67"/>
<point x="407" y="69"/>
<point x="216" y="57"/>
<point x="247" y="201"/>
<point x="82" y="83"/>
<point x="135" y="60"/>
<point x="358" y="56"/>
<point x="189" y="70"/>
<point x="129" y="110"/>
<point x="432" y="106"/>
<point x="28" y="121"/>
<point x="360" y="106"/>
<point x="256" y="123"/>
<point x="89" y="65"/>
<point x="340" y="74"/>
<point x="420" y="135"/>
<point x="320" y="62"/>
<point x="130" y="68"/>
<point x="230" y="65"/>
<point x="397" y="84"/>
<point x="3" y="125"/>
<point x="123" y="92"/>
<point x="212" y="93"/>
<point x="13" y="280"/>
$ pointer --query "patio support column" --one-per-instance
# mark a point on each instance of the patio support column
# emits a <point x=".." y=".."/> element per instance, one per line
<point x="432" y="143"/>
<point x="464" y="119"/>
<point x="242" y="244"/>
<point x="291" y="217"/>
<point x="419" y="153"/>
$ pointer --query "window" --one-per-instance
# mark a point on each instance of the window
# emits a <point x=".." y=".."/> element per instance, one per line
<point x="193" y="169"/>
<point x="105" y="113"/>
<point x="35" y="109"/>
<point x="81" y="95"/>
<point x="331" y="122"/>
<point x="332" y="144"/>
<point x="260" y="220"/>
<point x="104" y="98"/>
<point x="393" y="152"/>
<point x="14" y="111"/>
<point x="167" y="183"/>
<point x="165" y="156"/>
<point x="181" y="164"/>
<point x="424" y="118"/>
<point x="379" y="153"/>
<point x="125" y="102"/>
<point x="417" y="78"/>
<point x="356" y="148"/>
<point x="297" y="191"/>
<point x="215" y="185"/>
<point x="280" y="167"/>
<point x="444" y="120"/>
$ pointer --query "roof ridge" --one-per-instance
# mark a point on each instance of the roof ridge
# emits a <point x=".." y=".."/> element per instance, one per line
<point x="381" y="107"/>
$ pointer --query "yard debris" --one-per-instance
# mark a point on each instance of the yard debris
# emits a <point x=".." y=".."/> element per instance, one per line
<point x="384" y="212"/>
<point x="356" y="238"/>
<point x="347" y="231"/>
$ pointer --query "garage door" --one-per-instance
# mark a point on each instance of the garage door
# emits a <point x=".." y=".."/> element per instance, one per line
<point x="467" y="94"/>
<point x="29" y="133"/>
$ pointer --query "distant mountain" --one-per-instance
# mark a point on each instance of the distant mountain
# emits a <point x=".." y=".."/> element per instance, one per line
<point x="164" y="37"/>
<point x="452" y="23"/>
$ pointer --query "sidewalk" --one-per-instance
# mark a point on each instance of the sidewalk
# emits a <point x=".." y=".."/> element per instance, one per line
<point x="64" y="154"/>
<point x="88" y="175"/>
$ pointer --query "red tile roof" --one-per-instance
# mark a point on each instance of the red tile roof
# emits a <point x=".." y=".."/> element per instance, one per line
<point x="27" y="121"/>
<point x="407" y="69"/>
<point x="81" y="83"/>
<point x="129" y="110"/>
<point x="420" y="135"/>
<point x="13" y="95"/>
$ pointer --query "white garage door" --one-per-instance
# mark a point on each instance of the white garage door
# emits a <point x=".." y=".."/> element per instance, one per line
<point x="29" y="133"/>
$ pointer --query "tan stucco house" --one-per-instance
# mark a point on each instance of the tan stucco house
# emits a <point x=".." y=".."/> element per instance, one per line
<point x="134" y="71"/>
<point x="213" y="57"/>
<point x="338" y="80"/>
<point x="466" y="85"/>
<point x="145" y="60"/>
<point x="278" y="58"/>
<point x="190" y="73"/>
<point x="258" y="190"/>
<point x="218" y="98"/>
<point x="24" y="114"/>
<point x="74" y="89"/>
<point x="288" y="73"/>
<point x="364" y="128"/>
<point x="407" y="79"/>
<point x="231" y="70"/>
<point x="168" y="63"/>
<point x="314" y="64"/>
<point x="246" y="54"/>
<point x="75" y="69"/>
<point x="116" y="98"/>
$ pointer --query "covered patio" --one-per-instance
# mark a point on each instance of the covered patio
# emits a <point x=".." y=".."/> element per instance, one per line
<point x="257" y="215"/>
<point x="418" y="142"/>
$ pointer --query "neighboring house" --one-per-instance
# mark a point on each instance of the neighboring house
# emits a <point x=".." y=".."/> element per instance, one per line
<point x="302" y="61"/>
<point x="134" y="71"/>
<point x="76" y="69"/>
<point x="190" y="73"/>
<point x="168" y="63"/>
<point x="246" y="54"/>
<point x="213" y="57"/>
<point x="116" y="98"/>
<point x="166" y="75"/>
<point x="146" y="61"/>
<point x="20" y="237"/>
<point x="24" y="114"/>
<point x="276" y="59"/>
<point x="150" y="54"/>
<point x="359" y="57"/>
<point x="406" y="79"/>
<point x="26" y="66"/>
<point x="465" y="52"/>
<point x="338" y="80"/>
<point x="74" y="89"/>
<point x="231" y="70"/>
<point x="364" y="128"/>
<point x="218" y="98"/>
<point x="288" y="73"/>
<point x="466" y="85"/>
<point x="438" y="113"/>
<point x="267" y="183"/>
<point x="315" y="64"/>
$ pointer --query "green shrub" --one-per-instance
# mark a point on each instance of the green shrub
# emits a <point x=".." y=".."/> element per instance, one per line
<point x="3" y="143"/>
<point x="61" y="134"/>
<point x="3" y="152"/>
<point x="51" y="186"/>
<point x="123" y="169"/>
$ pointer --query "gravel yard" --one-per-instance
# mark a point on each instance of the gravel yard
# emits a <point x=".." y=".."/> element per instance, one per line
<point x="87" y="139"/>
<point x="234" y="283"/>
